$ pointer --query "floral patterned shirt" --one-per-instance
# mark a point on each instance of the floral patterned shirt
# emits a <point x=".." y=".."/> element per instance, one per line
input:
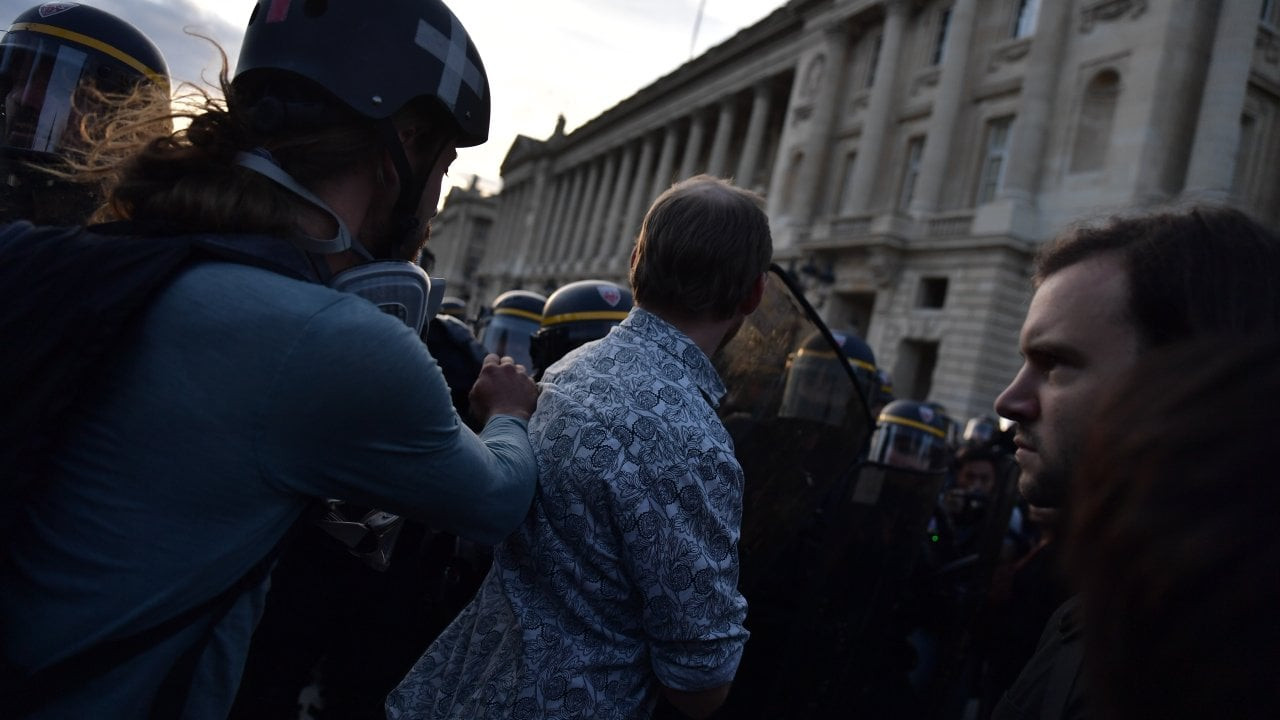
<point x="625" y="572"/>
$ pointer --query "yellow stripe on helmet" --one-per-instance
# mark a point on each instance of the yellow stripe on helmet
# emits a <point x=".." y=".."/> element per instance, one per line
<point x="527" y="315"/>
<point x="899" y="420"/>
<point x="94" y="43"/>
<point x="861" y="364"/>
<point x="618" y="315"/>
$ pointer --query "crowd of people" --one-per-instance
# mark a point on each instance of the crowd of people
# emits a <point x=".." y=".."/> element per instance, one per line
<point x="248" y="451"/>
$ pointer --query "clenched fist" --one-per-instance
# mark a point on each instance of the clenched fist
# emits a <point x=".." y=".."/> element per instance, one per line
<point x="503" y="388"/>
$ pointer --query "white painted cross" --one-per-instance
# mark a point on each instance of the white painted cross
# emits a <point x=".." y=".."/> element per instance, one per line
<point x="452" y="51"/>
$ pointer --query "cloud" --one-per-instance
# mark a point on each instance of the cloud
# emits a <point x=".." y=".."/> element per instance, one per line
<point x="544" y="57"/>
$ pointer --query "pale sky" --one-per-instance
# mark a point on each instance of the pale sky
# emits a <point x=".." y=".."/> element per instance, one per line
<point x="544" y="57"/>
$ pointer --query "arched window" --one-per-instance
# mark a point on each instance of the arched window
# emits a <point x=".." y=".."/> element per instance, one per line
<point x="1097" y="113"/>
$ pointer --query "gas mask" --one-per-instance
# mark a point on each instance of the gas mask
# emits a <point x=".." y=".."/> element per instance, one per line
<point x="398" y="287"/>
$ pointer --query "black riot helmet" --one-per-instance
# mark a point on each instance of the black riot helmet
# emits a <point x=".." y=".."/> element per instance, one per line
<point x="861" y="360"/>
<point x="314" y="64"/>
<point x="818" y="386"/>
<point x="576" y="314"/>
<point x="980" y="431"/>
<point x="373" y="58"/>
<point x="911" y="435"/>
<point x="515" y="316"/>
<point x="53" y="59"/>
<point x="454" y="307"/>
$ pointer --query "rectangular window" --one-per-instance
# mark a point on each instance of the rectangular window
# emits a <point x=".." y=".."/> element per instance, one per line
<point x="1024" y="20"/>
<point x="940" y="40"/>
<point x="875" y="60"/>
<point x="859" y="309"/>
<point x="933" y="293"/>
<point x="846" y="187"/>
<point x="994" y="156"/>
<point x="910" y="171"/>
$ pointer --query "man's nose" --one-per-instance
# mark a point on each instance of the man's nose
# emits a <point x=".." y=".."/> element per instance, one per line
<point x="1018" y="401"/>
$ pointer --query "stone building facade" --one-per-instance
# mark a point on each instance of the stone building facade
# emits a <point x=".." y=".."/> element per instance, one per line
<point x="913" y="154"/>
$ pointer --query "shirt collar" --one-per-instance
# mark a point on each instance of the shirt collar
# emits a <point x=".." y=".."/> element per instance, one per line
<point x="678" y="345"/>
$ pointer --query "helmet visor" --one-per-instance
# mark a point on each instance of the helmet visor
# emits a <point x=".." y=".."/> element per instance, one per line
<point x="817" y="388"/>
<point x="509" y="335"/>
<point x="902" y="446"/>
<point x="38" y="81"/>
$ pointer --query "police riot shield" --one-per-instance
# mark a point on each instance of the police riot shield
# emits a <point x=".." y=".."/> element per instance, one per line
<point x="798" y="420"/>
<point x="828" y="542"/>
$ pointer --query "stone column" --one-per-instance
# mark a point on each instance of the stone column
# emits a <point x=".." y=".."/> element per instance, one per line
<point x="555" y="217"/>
<point x="639" y="200"/>
<point x="582" y="214"/>
<point x="559" y="242"/>
<point x="760" y="106"/>
<point x="595" y="227"/>
<point x="516" y="246"/>
<point x="946" y="108"/>
<point x="666" y="161"/>
<point x="618" y="205"/>
<point x="718" y="164"/>
<point x="866" y="166"/>
<point x="497" y="254"/>
<point x="1211" y="172"/>
<point x="697" y="134"/>
<point x="835" y="41"/>
<point x="1030" y="132"/>
<point x="535" y="215"/>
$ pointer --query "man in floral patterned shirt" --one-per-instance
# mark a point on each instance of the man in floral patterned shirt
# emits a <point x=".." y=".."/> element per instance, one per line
<point x="622" y="582"/>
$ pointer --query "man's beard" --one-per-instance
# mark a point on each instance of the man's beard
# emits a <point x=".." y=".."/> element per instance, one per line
<point x="1047" y="486"/>
<point x="392" y="241"/>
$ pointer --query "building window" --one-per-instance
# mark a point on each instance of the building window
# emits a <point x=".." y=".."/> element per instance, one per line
<point x="859" y="308"/>
<point x="913" y="373"/>
<point x="940" y="40"/>
<point x="846" y="206"/>
<point x="1268" y="11"/>
<point x="1093" y="134"/>
<point x="911" y="171"/>
<point x="994" y="156"/>
<point x="1024" y="19"/>
<point x="875" y="60"/>
<point x="933" y="293"/>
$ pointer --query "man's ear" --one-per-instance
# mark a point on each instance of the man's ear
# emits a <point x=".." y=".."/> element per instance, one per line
<point x="752" y="301"/>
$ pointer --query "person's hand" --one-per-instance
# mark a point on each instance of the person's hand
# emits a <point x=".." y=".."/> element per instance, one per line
<point x="503" y="388"/>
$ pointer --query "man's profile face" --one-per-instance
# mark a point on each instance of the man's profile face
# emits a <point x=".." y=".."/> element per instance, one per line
<point x="1077" y="339"/>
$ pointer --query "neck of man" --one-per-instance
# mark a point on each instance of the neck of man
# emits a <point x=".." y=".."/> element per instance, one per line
<point x="708" y="335"/>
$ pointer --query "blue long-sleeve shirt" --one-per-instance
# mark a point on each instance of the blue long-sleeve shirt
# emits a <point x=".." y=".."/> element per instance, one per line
<point x="239" y="397"/>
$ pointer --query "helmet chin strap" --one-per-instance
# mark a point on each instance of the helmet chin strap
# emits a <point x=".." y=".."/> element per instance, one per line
<point x="261" y="162"/>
